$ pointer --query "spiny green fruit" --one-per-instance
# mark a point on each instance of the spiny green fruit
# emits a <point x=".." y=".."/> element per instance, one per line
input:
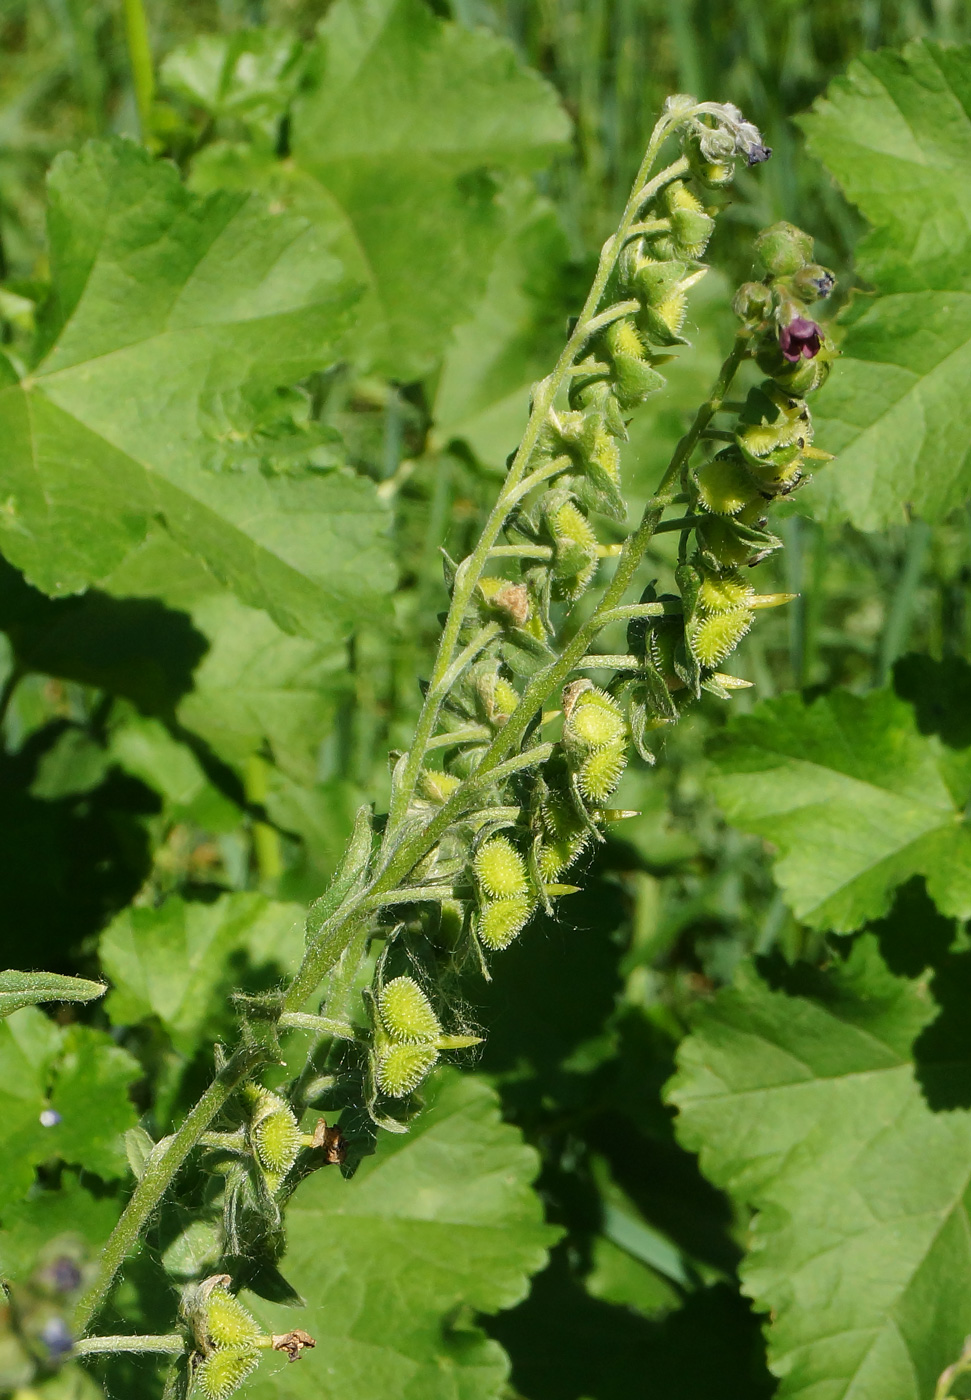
<point x="724" y="592"/>
<point x="575" y="560"/>
<point x="565" y="837"/>
<point x="718" y="539"/>
<point x="603" y="453"/>
<point x="402" y="1067"/>
<point x="227" y="1322"/>
<point x="600" y="773"/>
<point x="724" y="486"/>
<point x="505" y="697"/>
<point x="594" y="721"/>
<point x="655" y="281"/>
<point x="778" y="472"/>
<point x="715" y="637"/>
<point x="663" y="322"/>
<point x="623" y="338"/>
<point x="407" y="1013"/>
<point x="222" y="1373"/>
<point x="274" y="1133"/>
<point x="558" y="855"/>
<point x="436" y="786"/>
<point x="691" y="227"/>
<point x="500" y="869"/>
<point x="499" y="921"/>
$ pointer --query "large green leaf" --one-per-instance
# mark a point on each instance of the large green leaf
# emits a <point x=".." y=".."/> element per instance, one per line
<point x="63" y="1094"/>
<point x="257" y="686"/>
<point x="439" y="1224"/>
<point x="855" y="798"/>
<point x="407" y="116"/>
<point x="896" y="133"/>
<point x="180" y="961"/>
<point x="512" y="338"/>
<point x="171" y="324"/>
<point x="805" y="1108"/>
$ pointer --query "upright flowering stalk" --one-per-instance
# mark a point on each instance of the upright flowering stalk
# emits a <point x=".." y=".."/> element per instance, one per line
<point x="526" y="728"/>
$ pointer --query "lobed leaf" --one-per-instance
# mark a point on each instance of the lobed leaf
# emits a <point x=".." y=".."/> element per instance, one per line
<point x="436" y="1225"/>
<point x="172" y="320"/>
<point x="855" y="799"/>
<point x="805" y="1108"/>
<point x="896" y="134"/>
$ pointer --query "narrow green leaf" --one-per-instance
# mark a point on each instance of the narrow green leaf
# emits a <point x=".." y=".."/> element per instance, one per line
<point x="19" y="989"/>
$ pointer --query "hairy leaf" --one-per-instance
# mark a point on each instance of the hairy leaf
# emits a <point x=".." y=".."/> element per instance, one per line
<point x="896" y="133"/>
<point x="172" y="321"/>
<point x="19" y="989"/>
<point x="856" y="800"/>
<point x="437" y="1225"/>
<point x="805" y="1108"/>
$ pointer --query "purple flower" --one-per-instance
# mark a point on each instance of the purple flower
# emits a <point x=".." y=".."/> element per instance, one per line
<point x="800" y="340"/>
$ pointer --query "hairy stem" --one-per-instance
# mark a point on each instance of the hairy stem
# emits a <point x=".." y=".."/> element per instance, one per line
<point x="158" y="1177"/>
<point x="169" y="1345"/>
<point x="544" y="396"/>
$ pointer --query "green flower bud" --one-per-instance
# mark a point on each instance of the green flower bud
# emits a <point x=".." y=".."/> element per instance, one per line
<point x="783" y="249"/>
<point x="813" y="283"/>
<point x="723" y="592"/>
<point x="221" y="1374"/>
<point x="227" y="1323"/>
<point x="499" y="922"/>
<point x="407" y="1013"/>
<point x="402" y="1067"/>
<point x="724" y="486"/>
<point x="798" y="377"/>
<point x="753" y="302"/>
<point x="600" y="772"/>
<point x="714" y="173"/>
<point x="713" y="638"/>
<point x="500" y="869"/>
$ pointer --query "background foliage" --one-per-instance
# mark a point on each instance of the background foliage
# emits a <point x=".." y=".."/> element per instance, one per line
<point x="379" y="216"/>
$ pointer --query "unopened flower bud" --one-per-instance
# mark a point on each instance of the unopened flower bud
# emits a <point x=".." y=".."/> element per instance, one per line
<point x="753" y="302"/>
<point x="813" y="283"/>
<point x="783" y="249"/>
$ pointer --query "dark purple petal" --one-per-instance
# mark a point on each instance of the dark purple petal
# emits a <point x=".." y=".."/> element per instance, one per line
<point x="800" y="340"/>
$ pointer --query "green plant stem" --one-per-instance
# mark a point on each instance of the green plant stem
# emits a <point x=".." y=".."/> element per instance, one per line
<point x="158" y="1177"/>
<point x="496" y="762"/>
<point x="588" y="322"/>
<point x="170" y="1345"/>
<point x="140" y="58"/>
